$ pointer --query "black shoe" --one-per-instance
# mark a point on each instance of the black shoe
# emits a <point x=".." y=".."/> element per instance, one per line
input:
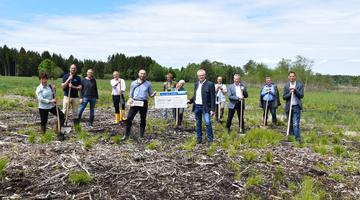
<point x="62" y="137"/>
<point x="229" y="130"/>
<point x="199" y="142"/>
<point x="142" y="132"/>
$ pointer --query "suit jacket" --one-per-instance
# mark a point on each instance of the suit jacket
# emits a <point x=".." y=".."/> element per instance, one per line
<point x="207" y="96"/>
<point x="233" y="99"/>
<point x="298" y="94"/>
<point x="277" y="102"/>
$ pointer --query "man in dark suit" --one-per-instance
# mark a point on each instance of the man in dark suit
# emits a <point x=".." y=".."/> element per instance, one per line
<point x="204" y="105"/>
<point x="237" y="93"/>
<point x="297" y="89"/>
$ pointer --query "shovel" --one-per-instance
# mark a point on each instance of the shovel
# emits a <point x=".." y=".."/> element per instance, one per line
<point x="289" y="120"/>
<point x="241" y="115"/>
<point x="66" y="128"/>
<point x="266" y="111"/>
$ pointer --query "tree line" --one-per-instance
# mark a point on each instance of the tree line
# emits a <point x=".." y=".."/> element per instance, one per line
<point x="23" y="62"/>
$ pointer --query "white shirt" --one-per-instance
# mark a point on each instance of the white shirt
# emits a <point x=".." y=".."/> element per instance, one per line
<point x="239" y="92"/>
<point x="221" y="93"/>
<point x="117" y="88"/>
<point x="44" y="95"/>
<point x="198" y="97"/>
<point x="294" y="101"/>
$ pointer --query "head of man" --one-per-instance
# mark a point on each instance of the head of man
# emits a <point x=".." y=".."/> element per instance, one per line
<point x="268" y="80"/>
<point x="201" y="75"/>
<point x="142" y="74"/>
<point x="90" y="73"/>
<point x="219" y="80"/>
<point x="43" y="78"/>
<point x="237" y="79"/>
<point x="73" y="69"/>
<point x="169" y="77"/>
<point x="292" y="76"/>
<point x="116" y="75"/>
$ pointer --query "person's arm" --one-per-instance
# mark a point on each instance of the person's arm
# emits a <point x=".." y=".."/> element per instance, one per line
<point x="192" y="100"/>
<point x="114" y="83"/>
<point x="299" y="92"/>
<point x="131" y="90"/>
<point x="245" y="93"/>
<point x="263" y="91"/>
<point x="40" y="97"/>
<point x="224" y="89"/>
<point x="287" y="93"/>
<point x="123" y="85"/>
<point x="232" y="94"/>
<point x="272" y="91"/>
<point x="212" y="98"/>
<point x="66" y="81"/>
<point x="96" y="90"/>
<point x="82" y="88"/>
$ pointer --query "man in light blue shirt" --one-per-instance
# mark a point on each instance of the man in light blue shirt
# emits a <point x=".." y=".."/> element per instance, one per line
<point x="269" y="100"/>
<point x="140" y="90"/>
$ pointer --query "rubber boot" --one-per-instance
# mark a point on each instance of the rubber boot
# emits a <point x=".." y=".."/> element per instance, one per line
<point x="122" y="115"/>
<point x="142" y="132"/>
<point x="117" y="118"/>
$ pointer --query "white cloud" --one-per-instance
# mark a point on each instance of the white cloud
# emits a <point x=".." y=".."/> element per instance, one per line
<point x="175" y="34"/>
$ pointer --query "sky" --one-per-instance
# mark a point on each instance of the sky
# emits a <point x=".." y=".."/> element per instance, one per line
<point x="175" y="33"/>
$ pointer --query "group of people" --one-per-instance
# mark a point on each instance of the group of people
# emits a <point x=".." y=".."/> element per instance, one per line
<point x="209" y="99"/>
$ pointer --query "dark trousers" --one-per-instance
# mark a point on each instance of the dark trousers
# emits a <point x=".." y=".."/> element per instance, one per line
<point x="117" y="100"/>
<point x="44" y="114"/>
<point x="272" y="109"/>
<point x="131" y="115"/>
<point x="231" y="115"/>
<point x="180" y="115"/>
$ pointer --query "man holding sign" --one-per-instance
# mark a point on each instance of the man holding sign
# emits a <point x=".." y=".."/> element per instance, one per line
<point x="140" y="90"/>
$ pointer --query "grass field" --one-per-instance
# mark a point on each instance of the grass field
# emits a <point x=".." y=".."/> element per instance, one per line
<point x="324" y="166"/>
<point x="327" y="109"/>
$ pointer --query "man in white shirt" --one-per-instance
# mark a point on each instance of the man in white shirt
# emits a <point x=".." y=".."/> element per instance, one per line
<point x="237" y="94"/>
<point x="204" y="105"/>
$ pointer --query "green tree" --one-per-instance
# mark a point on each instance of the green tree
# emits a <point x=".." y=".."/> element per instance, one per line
<point x="49" y="67"/>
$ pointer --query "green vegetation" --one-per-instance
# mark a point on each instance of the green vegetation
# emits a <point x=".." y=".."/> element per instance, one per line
<point x="309" y="191"/>
<point x="249" y="156"/>
<point x="47" y="137"/>
<point x="153" y="145"/>
<point x="262" y="138"/>
<point x="79" y="178"/>
<point x="189" y="144"/>
<point x="3" y="164"/>
<point x="253" y="180"/>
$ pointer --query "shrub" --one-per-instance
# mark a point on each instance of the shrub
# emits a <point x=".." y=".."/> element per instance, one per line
<point x="249" y="156"/>
<point x="253" y="180"/>
<point x="153" y="145"/>
<point x="79" y="178"/>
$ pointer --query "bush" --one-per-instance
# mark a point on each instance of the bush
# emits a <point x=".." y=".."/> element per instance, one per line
<point x="253" y="180"/>
<point x="79" y="178"/>
<point x="262" y="138"/>
<point x="249" y="155"/>
<point x="153" y="145"/>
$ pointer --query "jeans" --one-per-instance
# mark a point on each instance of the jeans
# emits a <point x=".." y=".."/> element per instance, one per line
<point x="199" y="114"/>
<point x="83" y="105"/>
<point x="272" y="109"/>
<point x="295" y="122"/>
<point x="231" y="113"/>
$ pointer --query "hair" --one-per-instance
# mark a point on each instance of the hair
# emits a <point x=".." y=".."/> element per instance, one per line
<point x="267" y="77"/>
<point x="141" y="69"/>
<point x="201" y="70"/>
<point x="219" y="77"/>
<point x="291" y="72"/>
<point x="72" y="65"/>
<point x="90" y="69"/>
<point x="43" y="75"/>
<point x="170" y="75"/>
<point x="115" y="72"/>
<point x="236" y="75"/>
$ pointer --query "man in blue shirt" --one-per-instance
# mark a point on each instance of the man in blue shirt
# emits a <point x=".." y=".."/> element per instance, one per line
<point x="72" y="82"/>
<point x="140" y="90"/>
<point x="269" y="95"/>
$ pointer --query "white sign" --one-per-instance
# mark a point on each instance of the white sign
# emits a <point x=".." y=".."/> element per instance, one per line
<point x="171" y="101"/>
